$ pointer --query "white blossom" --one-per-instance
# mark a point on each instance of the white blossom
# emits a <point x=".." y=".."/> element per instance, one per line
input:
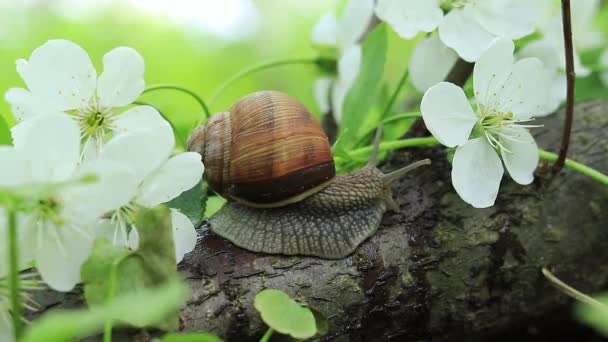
<point x="507" y="95"/>
<point x="61" y="79"/>
<point x="469" y="27"/>
<point x="56" y="229"/>
<point x="430" y="63"/>
<point x="160" y="178"/>
<point x="342" y="38"/>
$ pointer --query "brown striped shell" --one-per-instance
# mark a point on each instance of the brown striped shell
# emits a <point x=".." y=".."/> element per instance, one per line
<point x="266" y="151"/>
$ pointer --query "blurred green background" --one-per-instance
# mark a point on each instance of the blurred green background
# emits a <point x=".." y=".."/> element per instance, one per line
<point x="194" y="43"/>
<point x="199" y="44"/>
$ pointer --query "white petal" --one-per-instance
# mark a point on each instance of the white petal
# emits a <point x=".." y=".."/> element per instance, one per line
<point x="60" y="73"/>
<point x="354" y="22"/>
<point x="50" y="144"/>
<point x="139" y="118"/>
<point x="177" y="175"/>
<point x="114" y="187"/>
<point x="143" y="151"/>
<point x="348" y="71"/>
<point x="526" y="91"/>
<point x="557" y="95"/>
<point x="184" y="234"/>
<point x="447" y="114"/>
<point x="512" y="19"/>
<point x="430" y="63"/>
<point x="6" y="322"/>
<point x="325" y="30"/>
<point x="25" y="106"/>
<point x="64" y="251"/>
<point x="25" y="243"/>
<point x="522" y="158"/>
<point x="545" y="50"/>
<point x="133" y="239"/>
<point x="476" y="173"/>
<point x="462" y="33"/>
<point x="583" y="16"/>
<point x="322" y="90"/>
<point x="603" y="61"/>
<point x="14" y="170"/>
<point x="409" y="17"/>
<point x="492" y="70"/>
<point x="122" y="80"/>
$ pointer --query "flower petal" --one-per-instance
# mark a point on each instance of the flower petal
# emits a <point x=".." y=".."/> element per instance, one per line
<point x="122" y="80"/>
<point x="114" y="187"/>
<point x="14" y="170"/>
<point x="521" y="159"/>
<point x="184" y="234"/>
<point x="24" y="105"/>
<point x="511" y="19"/>
<point x="143" y="151"/>
<point x="51" y="146"/>
<point x="462" y="33"/>
<point x="527" y="90"/>
<point x="64" y="251"/>
<point x="139" y="118"/>
<point x="354" y="21"/>
<point x="325" y="31"/>
<point x="409" y="17"/>
<point x="177" y="175"/>
<point x="492" y="70"/>
<point x="60" y="73"/>
<point x="585" y="35"/>
<point x="476" y="173"/>
<point x="6" y="322"/>
<point x="448" y="114"/>
<point x="430" y="63"/>
<point x="348" y="71"/>
<point x="322" y="90"/>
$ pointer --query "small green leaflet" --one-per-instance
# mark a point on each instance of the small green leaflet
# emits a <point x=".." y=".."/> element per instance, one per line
<point x="113" y="271"/>
<point x="214" y="204"/>
<point x="285" y="315"/>
<point x="193" y="337"/>
<point x="362" y="96"/>
<point x="148" y="305"/>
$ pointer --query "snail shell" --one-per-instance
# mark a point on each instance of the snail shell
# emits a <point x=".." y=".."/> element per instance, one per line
<point x="266" y="151"/>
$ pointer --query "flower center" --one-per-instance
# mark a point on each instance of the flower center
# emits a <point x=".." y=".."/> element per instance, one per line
<point x="47" y="209"/>
<point x="95" y="122"/>
<point x="123" y="219"/>
<point x="448" y="5"/>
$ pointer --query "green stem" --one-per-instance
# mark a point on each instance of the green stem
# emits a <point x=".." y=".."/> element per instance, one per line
<point x="576" y="166"/>
<point x="393" y="145"/>
<point x="107" y="328"/>
<point x="267" y="335"/>
<point x="255" y="68"/>
<point x="393" y="98"/>
<point x="572" y="292"/>
<point x="13" y="257"/>
<point x="396" y="117"/>
<point x="184" y="90"/>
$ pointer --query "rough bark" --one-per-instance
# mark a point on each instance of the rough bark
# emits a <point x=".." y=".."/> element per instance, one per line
<point x="438" y="269"/>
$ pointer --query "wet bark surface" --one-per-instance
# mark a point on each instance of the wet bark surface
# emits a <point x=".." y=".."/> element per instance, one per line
<point x="436" y="270"/>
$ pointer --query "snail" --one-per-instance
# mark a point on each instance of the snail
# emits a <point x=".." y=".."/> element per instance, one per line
<point x="270" y="158"/>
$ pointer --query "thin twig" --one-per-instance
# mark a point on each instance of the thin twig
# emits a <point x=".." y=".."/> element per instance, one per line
<point x="570" y="291"/>
<point x="568" y="49"/>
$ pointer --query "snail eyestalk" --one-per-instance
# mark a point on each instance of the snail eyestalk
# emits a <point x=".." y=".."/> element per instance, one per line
<point x="393" y="176"/>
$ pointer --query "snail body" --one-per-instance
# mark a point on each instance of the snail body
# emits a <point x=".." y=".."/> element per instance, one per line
<point x="287" y="199"/>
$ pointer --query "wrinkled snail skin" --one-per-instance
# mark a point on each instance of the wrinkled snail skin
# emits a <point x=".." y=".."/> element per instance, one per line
<point x="271" y="159"/>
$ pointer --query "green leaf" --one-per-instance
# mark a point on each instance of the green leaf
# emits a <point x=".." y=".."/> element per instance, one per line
<point x="192" y="203"/>
<point x="149" y="305"/>
<point x="214" y="204"/>
<point x="112" y="270"/>
<point x="285" y="315"/>
<point x="194" y="337"/>
<point x="366" y="88"/>
<point x="5" y="132"/>
<point x="595" y="316"/>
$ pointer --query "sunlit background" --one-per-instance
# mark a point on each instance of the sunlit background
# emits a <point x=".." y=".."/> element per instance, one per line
<point x="194" y="43"/>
